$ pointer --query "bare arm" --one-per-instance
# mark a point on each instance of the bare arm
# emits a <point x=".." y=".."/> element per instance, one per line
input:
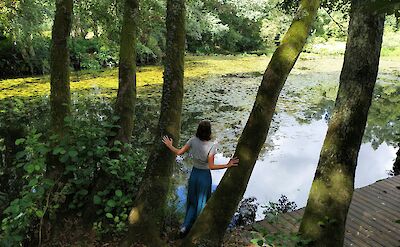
<point x="232" y="162"/>
<point x="168" y="142"/>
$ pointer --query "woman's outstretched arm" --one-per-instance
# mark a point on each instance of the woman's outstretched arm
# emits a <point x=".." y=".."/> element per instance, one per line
<point x="168" y="142"/>
<point x="232" y="162"/>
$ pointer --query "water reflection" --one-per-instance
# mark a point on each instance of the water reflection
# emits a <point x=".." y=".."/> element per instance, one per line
<point x="288" y="161"/>
<point x="289" y="168"/>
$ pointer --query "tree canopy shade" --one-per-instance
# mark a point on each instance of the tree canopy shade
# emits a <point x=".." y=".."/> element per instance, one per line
<point x="325" y="214"/>
<point x="209" y="228"/>
<point x="146" y="217"/>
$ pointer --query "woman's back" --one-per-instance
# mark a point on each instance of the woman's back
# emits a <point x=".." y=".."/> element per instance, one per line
<point x="199" y="151"/>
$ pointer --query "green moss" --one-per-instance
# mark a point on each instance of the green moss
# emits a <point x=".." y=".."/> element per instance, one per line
<point x="107" y="81"/>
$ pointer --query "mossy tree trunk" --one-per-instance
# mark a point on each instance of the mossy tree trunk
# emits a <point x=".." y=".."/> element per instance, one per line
<point x="146" y="217"/>
<point x="126" y="97"/>
<point x="60" y="96"/>
<point x="124" y="108"/>
<point x="209" y="228"/>
<point x="332" y="189"/>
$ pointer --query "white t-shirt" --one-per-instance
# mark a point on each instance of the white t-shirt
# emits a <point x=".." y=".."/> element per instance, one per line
<point x="199" y="151"/>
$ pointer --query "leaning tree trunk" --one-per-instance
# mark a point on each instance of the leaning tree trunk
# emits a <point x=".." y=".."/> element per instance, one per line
<point x="330" y="196"/>
<point x="126" y="98"/>
<point x="209" y="228"/>
<point x="145" y="219"/>
<point x="60" y="96"/>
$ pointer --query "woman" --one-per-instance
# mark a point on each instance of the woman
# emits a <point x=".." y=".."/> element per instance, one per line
<point x="202" y="151"/>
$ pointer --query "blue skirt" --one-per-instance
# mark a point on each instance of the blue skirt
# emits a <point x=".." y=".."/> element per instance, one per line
<point x="199" y="191"/>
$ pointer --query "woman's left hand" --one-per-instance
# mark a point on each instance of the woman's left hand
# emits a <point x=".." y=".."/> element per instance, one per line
<point x="233" y="162"/>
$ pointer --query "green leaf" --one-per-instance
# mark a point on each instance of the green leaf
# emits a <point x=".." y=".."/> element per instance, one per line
<point x="39" y="213"/>
<point x="118" y="193"/>
<point x="111" y="203"/>
<point x="109" y="215"/>
<point x="29" y="168"/>
<point x="33" y="182"/>
<point x="43" y="149"/>
<point x="72" y="153"/>
<point x="96" y="200"/>
<point x="58" y="150"/>
<point x="19" y="141"/>
<point x="37" y="167"/>
<point x="83" y="192"/>
<point x="64" y="158"/>
<point x="397" y="221"/>
<point x="20" y="155"/>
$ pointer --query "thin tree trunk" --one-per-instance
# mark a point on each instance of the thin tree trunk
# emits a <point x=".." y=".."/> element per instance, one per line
<point x="126" y="98"/>
<point x="332" y="189"/>
<point x="145" y="219"/>
<point x="209" y="228"/>
<point x="60" y="98"/>
<point x="125" y="105"/>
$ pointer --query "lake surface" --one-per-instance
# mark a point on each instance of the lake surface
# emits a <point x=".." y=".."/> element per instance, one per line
<point x="287" y="163"/>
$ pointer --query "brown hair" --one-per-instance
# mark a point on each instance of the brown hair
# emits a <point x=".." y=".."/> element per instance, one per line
<point x="204" y="130"/>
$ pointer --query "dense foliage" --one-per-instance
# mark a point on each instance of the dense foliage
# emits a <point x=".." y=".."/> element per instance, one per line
<point x="213" y="26"/>
<point x="28" y="197"/>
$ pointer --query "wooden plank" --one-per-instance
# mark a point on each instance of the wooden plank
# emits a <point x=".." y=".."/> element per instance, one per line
<point x="371" y="217"/>
<point x="380" y="225"/>
<point x="394" y="181"/>
<point x="385" y="204"/>
<point x="386" y="185"/>
<point x="386" y="191"/>
<point x="371" y="204"/>
<point x="359" y="235"/>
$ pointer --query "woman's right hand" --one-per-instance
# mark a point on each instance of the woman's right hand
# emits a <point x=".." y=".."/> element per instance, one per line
<point x="167" y="141"/>
<point x="233" y="162"/>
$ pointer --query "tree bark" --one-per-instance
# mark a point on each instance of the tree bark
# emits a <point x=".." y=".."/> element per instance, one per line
<point x="60" y="96"/>
<point x="145" y="219"/>
<point x="332" y="189"/>
<point x="381" y="6"/>
<point x="209" y="228"/>
<point x="126" y="97"/>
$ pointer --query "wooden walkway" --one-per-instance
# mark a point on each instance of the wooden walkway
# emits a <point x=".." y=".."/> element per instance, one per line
<point x="373" y="219"/>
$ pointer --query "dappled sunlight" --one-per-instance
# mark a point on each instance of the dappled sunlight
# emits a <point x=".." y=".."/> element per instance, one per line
<point x="134" y="216"/>
<point x="196" y="67"/>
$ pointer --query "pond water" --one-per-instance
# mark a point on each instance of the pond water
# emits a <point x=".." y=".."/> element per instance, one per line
<point x="287" y="163"/>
